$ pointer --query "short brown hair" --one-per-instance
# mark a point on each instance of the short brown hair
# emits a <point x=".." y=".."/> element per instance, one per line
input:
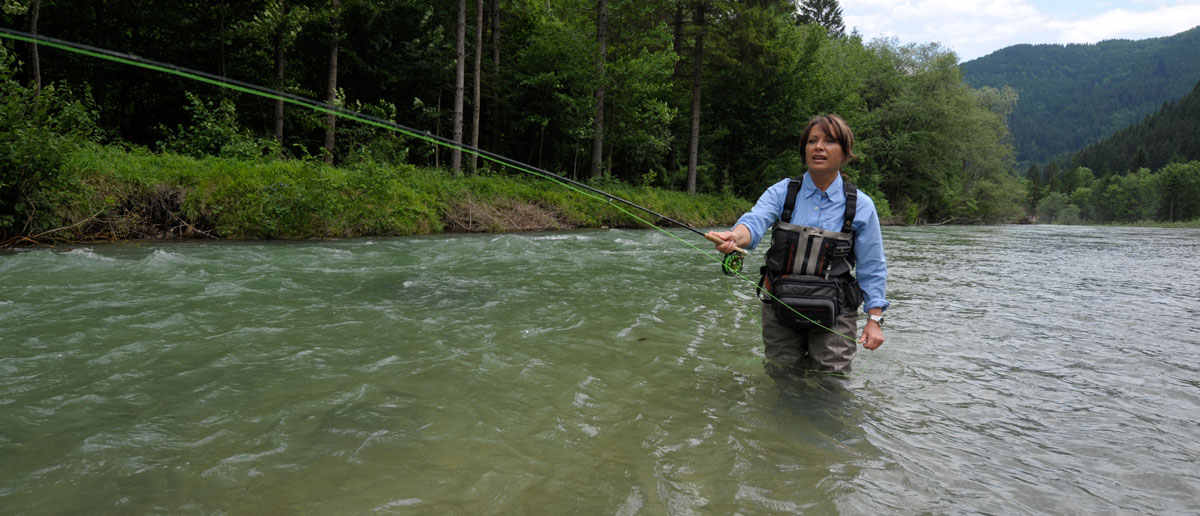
<point x="833" y="125"/>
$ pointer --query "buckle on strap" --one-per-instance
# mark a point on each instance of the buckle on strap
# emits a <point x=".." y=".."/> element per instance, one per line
<point x="841" y="249"/>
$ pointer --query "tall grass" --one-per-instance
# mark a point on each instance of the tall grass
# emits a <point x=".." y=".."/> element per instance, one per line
<point x="131" y="193"/>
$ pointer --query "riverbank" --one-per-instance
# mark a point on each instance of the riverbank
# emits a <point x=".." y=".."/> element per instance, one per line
<point x="118" y="194"/>
<point x="112" y="193"/>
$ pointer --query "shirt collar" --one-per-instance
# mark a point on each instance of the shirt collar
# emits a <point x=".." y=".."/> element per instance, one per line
<point x="835" y="190"/>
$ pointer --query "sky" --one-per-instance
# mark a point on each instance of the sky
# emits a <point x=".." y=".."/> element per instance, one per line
<point x="975" y="28"/>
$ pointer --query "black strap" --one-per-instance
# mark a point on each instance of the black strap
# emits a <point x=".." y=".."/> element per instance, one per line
<point x="789" y="203"/>
<point x="851" y="203"/>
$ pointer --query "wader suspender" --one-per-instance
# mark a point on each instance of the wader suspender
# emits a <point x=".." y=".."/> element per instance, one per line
<point x="851" y="203"/>
<point x="789" y="204"/>
<point x="848" y="220"/>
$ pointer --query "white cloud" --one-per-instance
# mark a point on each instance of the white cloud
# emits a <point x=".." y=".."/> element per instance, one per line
<point x="973" y="28"/>
<point x="1120" y="23"/>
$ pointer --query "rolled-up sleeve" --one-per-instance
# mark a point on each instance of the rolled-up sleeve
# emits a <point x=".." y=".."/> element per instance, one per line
<point x="871" y="265"/>
<point x="765" y="212"/>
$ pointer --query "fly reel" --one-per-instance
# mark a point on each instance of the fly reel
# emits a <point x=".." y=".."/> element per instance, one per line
<point x="732" y="263"/>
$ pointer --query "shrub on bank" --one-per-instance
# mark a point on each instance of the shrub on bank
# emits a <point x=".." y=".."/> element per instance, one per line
<point x="38" y="127"/>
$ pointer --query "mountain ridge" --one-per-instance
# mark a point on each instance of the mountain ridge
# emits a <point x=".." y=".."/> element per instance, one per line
<point x="1071" y="96"/>
<point x="1172" y="134"/>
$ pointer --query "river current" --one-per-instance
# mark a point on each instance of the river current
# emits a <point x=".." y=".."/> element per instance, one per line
<point x="1027" y="370"/>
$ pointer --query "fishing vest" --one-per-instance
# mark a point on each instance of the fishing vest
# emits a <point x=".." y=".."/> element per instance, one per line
<point x="807" y="269"/>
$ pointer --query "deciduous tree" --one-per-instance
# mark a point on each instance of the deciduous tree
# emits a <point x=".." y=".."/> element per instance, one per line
<point x="601" y="85"/>
<point x="460" y="43"/>
<point x="698" y="21"/>
<point x="331" y="90"/>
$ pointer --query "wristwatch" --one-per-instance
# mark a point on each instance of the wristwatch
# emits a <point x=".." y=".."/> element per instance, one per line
<point x="877" y="319"/>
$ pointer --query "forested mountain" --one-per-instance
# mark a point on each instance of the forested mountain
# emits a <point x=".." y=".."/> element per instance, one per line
<point x="1075" y="95"/>
<point x="1171" y="135"/>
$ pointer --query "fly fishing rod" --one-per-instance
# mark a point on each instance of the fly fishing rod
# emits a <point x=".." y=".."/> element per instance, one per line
<point x="730" y="264"/>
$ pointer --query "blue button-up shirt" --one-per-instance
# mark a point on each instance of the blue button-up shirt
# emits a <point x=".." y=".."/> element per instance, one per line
<point x="826" y="210"/>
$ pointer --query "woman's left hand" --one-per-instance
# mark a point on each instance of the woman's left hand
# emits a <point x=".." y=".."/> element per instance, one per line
<point x="872" y="336"/>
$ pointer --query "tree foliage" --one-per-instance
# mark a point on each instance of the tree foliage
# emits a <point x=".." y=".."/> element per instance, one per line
<point x="1075" y="95"/>
<point x="38" y="128"/>
<point x="1147" y="172"/>
<point x="826" y="13"/>
<point x="1169" y="194"/>
<point x="1170" y="135"/>
<point x="932" y="148"/>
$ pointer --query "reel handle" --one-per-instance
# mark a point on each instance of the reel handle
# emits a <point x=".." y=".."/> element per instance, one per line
<point x="713" y="238"/>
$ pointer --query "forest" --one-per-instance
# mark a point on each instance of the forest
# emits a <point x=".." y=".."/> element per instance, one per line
<point x="692" y="96"/>
<point x="1171" y="135"/>
<point x="1075" y="95"/>
<point x="1147" y="171"/>
<point x="1086" y="128"/>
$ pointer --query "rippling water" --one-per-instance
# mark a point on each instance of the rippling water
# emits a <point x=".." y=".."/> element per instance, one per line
<point x="1028" y="370"/>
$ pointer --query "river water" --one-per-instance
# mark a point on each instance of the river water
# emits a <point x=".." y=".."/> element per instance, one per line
<point x="1027" y="370"/>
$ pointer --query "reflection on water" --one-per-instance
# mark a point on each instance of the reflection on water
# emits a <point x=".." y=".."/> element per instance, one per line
<point x="821" y="419"/>
<point x="1027" y="370"/>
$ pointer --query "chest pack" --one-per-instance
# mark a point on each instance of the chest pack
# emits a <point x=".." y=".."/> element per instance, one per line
<point x="807" y="271"/>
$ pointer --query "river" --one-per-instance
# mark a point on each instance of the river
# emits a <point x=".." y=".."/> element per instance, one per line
<point x="1027" y="370"/>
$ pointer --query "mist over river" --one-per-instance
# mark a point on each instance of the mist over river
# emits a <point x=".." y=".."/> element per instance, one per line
<point x="1027" y="370"/>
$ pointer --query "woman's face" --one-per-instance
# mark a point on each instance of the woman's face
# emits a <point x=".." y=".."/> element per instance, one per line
<point x="822" y="153"/>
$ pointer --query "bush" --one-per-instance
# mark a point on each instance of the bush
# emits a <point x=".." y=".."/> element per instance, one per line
<point x="366" y="144"/>
<point x="1049" y="208"/>
<point x="215" y="132"/>
<point x="1068" y="215"/>
<point x="37" y="130"/>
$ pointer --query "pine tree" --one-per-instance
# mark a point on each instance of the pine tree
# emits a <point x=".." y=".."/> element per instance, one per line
<point x="826" y="13"/>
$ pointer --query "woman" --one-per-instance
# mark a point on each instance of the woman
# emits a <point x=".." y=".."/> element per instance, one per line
<point x="848" y="237"/>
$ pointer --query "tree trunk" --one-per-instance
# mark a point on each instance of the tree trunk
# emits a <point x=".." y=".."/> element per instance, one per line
<point x="677" y="46"/>
<point x="697" y="67"/>
<point x="34" y="7"/>
<point x="280" y="36"/>
<point x="331" y="91"/>
<point x="100" y="86"/>
<point x="475" y="108"/>
<point x="459" y="86"/>
<point x="598" y="135"/>
<point x="496" y="78"/>
<point x="496" y="36"/>
<point x="677" y="42"/>
<point x="221" y="11"/>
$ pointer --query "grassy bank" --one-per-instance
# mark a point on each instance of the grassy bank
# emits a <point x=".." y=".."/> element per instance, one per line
<point x="123" y="194"/>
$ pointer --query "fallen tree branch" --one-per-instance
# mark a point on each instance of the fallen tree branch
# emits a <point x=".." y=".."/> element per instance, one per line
<point x="44" y="233"/>
<point x="12" y="242"/>
<point x="191" y="228"/>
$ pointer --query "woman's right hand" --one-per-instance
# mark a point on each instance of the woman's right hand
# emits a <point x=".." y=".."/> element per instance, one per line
<point x="724" y="241"/>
